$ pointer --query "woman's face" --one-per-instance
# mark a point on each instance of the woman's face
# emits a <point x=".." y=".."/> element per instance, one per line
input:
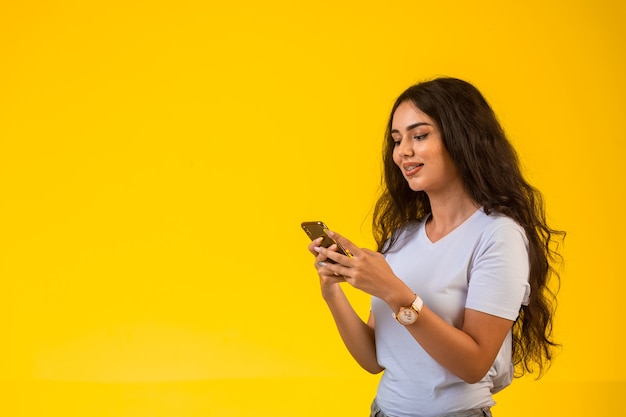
<point x="419" y="151"/>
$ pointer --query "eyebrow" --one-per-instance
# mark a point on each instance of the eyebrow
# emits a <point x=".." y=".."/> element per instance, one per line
<point x="411" y="127"/>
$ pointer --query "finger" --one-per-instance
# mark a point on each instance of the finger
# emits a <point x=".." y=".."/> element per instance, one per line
<point x="350" y="248"/>
<point x="338" y="268"/>
<point x="314" y="243"/>
<point x="330" y="253"/>
<point x="328" y="270"/>
<point x="322" y="259"/>
<point x="325" y="250"/>
<point x="332" y="279"/>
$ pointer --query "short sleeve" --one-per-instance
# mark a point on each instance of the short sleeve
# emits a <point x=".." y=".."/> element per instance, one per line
<point x="499" y="273"/>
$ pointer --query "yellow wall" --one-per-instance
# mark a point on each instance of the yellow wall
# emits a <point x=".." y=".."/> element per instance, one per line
<point x="156" y="159"/>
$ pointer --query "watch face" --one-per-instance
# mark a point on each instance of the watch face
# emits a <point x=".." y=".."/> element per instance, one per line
<point x="407" y="316"/>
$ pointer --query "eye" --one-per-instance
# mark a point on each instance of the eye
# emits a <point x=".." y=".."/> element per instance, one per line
<point x="420" y="137"/>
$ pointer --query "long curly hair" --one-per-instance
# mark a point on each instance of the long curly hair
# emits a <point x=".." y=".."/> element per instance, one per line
<point x="490" y="170"/>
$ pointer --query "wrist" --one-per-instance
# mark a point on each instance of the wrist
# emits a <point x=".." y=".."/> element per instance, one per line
<point x="409" y="315"/>
<point x="330" y="291"/>
<point x="400" y="298"/>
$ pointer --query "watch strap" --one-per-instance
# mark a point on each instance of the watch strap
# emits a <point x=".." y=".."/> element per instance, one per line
<point x="416" y="306"/>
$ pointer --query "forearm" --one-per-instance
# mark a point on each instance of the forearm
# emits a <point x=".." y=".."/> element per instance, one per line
<point x="467" y="352"/>
<point x="452" y="348"/>
<point x="357" y="335"/>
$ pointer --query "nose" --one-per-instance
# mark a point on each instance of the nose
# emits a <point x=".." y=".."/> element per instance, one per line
<point x="405" y="147"/>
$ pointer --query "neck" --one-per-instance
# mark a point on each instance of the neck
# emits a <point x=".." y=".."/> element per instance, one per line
<point x="448" y="212"/>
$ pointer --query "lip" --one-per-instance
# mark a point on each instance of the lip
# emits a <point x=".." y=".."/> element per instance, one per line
<point x="411" y="168"/>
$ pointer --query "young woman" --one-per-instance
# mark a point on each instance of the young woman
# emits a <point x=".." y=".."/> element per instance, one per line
<point x="459" y="282"/>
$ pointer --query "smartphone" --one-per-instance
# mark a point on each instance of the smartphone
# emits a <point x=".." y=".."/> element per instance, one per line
<point x="318" y="229"/>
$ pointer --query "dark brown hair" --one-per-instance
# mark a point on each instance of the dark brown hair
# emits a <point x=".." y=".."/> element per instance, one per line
<point x="490" y="170"/>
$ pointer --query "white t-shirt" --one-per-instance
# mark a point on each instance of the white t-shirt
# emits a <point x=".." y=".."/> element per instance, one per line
<point x="482" y="265"/>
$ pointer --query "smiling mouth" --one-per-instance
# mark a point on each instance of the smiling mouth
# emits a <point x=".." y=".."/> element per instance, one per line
<point x="409" y="168"/>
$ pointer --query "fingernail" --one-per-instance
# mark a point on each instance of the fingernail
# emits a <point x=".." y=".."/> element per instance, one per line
<point x="321" y="263"/>
<point x="317" y="249"/>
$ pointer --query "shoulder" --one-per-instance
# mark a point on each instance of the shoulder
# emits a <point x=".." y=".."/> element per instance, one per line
<point x="493" y="233"/>
<point x="497" y="226"/>
<point x="498" y="239"/>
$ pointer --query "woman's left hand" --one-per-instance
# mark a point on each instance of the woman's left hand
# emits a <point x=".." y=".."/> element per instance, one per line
<point x="366" y="270"/>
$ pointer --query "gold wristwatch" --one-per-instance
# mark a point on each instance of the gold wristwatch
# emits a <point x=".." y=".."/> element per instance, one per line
<point x="408" y="315"/>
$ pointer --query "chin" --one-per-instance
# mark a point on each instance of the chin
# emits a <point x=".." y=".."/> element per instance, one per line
<point x="415" y="187"/>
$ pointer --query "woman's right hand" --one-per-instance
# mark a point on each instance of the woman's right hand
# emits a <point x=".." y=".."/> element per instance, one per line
<point x="328" y="280"/>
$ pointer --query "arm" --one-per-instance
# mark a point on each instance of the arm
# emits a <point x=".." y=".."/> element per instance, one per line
<point x="357" y="336"/>
<point x="467" y="352"/>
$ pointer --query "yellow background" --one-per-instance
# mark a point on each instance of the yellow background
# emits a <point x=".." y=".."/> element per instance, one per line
<point x="157" y="157"/>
